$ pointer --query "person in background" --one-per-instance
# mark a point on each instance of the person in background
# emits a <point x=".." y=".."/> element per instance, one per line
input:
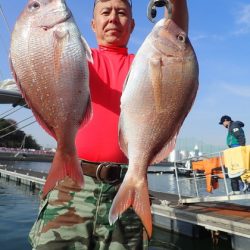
<point x="235" y="138"/>
<point x="77" y="218"/>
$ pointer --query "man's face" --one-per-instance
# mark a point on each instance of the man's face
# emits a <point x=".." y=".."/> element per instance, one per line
<point x="112" y="22"/>
<point x="226" y="123"/>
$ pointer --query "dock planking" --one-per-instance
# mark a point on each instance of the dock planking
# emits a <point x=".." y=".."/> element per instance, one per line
<point x="230" y="218"/>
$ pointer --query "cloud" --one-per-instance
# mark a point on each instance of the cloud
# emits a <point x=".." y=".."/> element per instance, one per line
<point x="241" y="90"/>
<point x="199" y="37"/>
<point x="244" y="15"/>
<point x="214" y="37"/>
<point x="243" y="20"/>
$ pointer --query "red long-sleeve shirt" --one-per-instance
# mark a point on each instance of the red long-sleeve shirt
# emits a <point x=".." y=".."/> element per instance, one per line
<point x="98" y="140"/>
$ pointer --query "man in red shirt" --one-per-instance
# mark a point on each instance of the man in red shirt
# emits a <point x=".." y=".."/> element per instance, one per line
<point x="74" y="218"/>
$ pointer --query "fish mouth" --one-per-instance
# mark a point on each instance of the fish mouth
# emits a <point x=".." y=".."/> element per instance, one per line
<point x="62" y="18"/>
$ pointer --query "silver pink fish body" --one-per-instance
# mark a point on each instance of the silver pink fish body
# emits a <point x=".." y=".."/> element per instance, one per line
<point x="48" y="59"/>
<point x="159" y="92"/>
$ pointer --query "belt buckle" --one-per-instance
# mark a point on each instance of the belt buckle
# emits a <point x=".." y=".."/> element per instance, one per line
<point x="98" y="173"/>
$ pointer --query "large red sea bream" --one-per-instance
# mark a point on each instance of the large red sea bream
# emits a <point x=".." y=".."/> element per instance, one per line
<point x="49" y="62"/>
<point x="160" y="90"/>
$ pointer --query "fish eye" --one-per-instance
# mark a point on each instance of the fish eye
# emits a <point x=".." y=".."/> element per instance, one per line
<point x="181" y="38"/>
<point x="34" y="6"/>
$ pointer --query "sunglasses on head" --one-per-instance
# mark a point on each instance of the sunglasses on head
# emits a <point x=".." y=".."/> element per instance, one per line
<point x="129" y="1"/>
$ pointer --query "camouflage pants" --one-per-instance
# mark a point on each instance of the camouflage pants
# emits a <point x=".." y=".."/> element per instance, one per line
<point x="73" y="218"/>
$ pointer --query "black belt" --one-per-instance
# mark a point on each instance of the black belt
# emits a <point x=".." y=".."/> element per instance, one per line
<point x="106" y="172"/>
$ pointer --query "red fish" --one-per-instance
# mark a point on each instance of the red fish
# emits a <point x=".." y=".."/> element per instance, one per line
<point x="159" y="92"/>
<point x="49" y="63"/>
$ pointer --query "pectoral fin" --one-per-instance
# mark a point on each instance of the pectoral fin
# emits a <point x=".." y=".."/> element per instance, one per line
<point x="155" y="72"/>
<point x="88" y="50"/>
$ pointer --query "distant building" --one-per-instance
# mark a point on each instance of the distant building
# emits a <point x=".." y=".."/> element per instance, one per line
<point x="189" y="148"/>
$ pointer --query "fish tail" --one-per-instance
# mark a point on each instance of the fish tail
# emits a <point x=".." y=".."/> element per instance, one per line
<point x="133" y="193"/>
<point x="63" y="165"/>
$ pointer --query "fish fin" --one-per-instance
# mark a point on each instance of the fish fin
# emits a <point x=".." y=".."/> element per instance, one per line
<point x="43" y="124"/>
<point x="126" y="79"/>
<point x="123" y="143"/>
<point x="40" y="121"/>
<point x="133" y="193"/>
<point x="15" y="77"/>
<point x="165" y="151"/>
<point x="155" y="72"/>
<point x="63" y="165"/>
<point x="88" y="114"/>
<point x="87" y="50"/>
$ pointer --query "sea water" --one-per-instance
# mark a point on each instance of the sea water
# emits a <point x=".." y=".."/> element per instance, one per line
<point x="19" y="208"/>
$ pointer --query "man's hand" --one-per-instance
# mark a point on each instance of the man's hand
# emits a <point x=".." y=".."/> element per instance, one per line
<point x="153" y="4"/>
<point x="179" y="13"/>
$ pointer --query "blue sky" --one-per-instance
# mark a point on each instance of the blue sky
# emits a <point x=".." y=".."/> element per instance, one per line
<point x="220" y="33"/>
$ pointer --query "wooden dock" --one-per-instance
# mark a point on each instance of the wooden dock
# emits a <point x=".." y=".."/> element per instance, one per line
<point x="188" y="219"/>
<point x="214" y="217"/>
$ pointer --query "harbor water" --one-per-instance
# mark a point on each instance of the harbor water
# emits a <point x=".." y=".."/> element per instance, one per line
<point x="19" y="208"/>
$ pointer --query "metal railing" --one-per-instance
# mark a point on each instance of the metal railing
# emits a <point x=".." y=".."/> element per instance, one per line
<point x="225" y="195"/>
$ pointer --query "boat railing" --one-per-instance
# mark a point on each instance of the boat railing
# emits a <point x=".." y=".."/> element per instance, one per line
<point x="201" y="179"/>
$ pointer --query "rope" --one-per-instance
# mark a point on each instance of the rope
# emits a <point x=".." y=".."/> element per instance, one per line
<point x="17" y="130"/>
<point x="7" y="111"/>
<point x="1" y="38"/>
<point x="5" y="19"/>
<point x="12" y="111"/>
<point x="4" y="45"/>
<point x="13" y="125"/>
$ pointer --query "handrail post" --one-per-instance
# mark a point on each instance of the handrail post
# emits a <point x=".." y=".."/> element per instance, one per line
<point x="224" y="174"/>
<point x="177" y="180"/>
<point x="195" y="183"/>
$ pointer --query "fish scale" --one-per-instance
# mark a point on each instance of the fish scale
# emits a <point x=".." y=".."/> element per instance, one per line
<point x="159" y="92"/>
<point x="49" y="62"/>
